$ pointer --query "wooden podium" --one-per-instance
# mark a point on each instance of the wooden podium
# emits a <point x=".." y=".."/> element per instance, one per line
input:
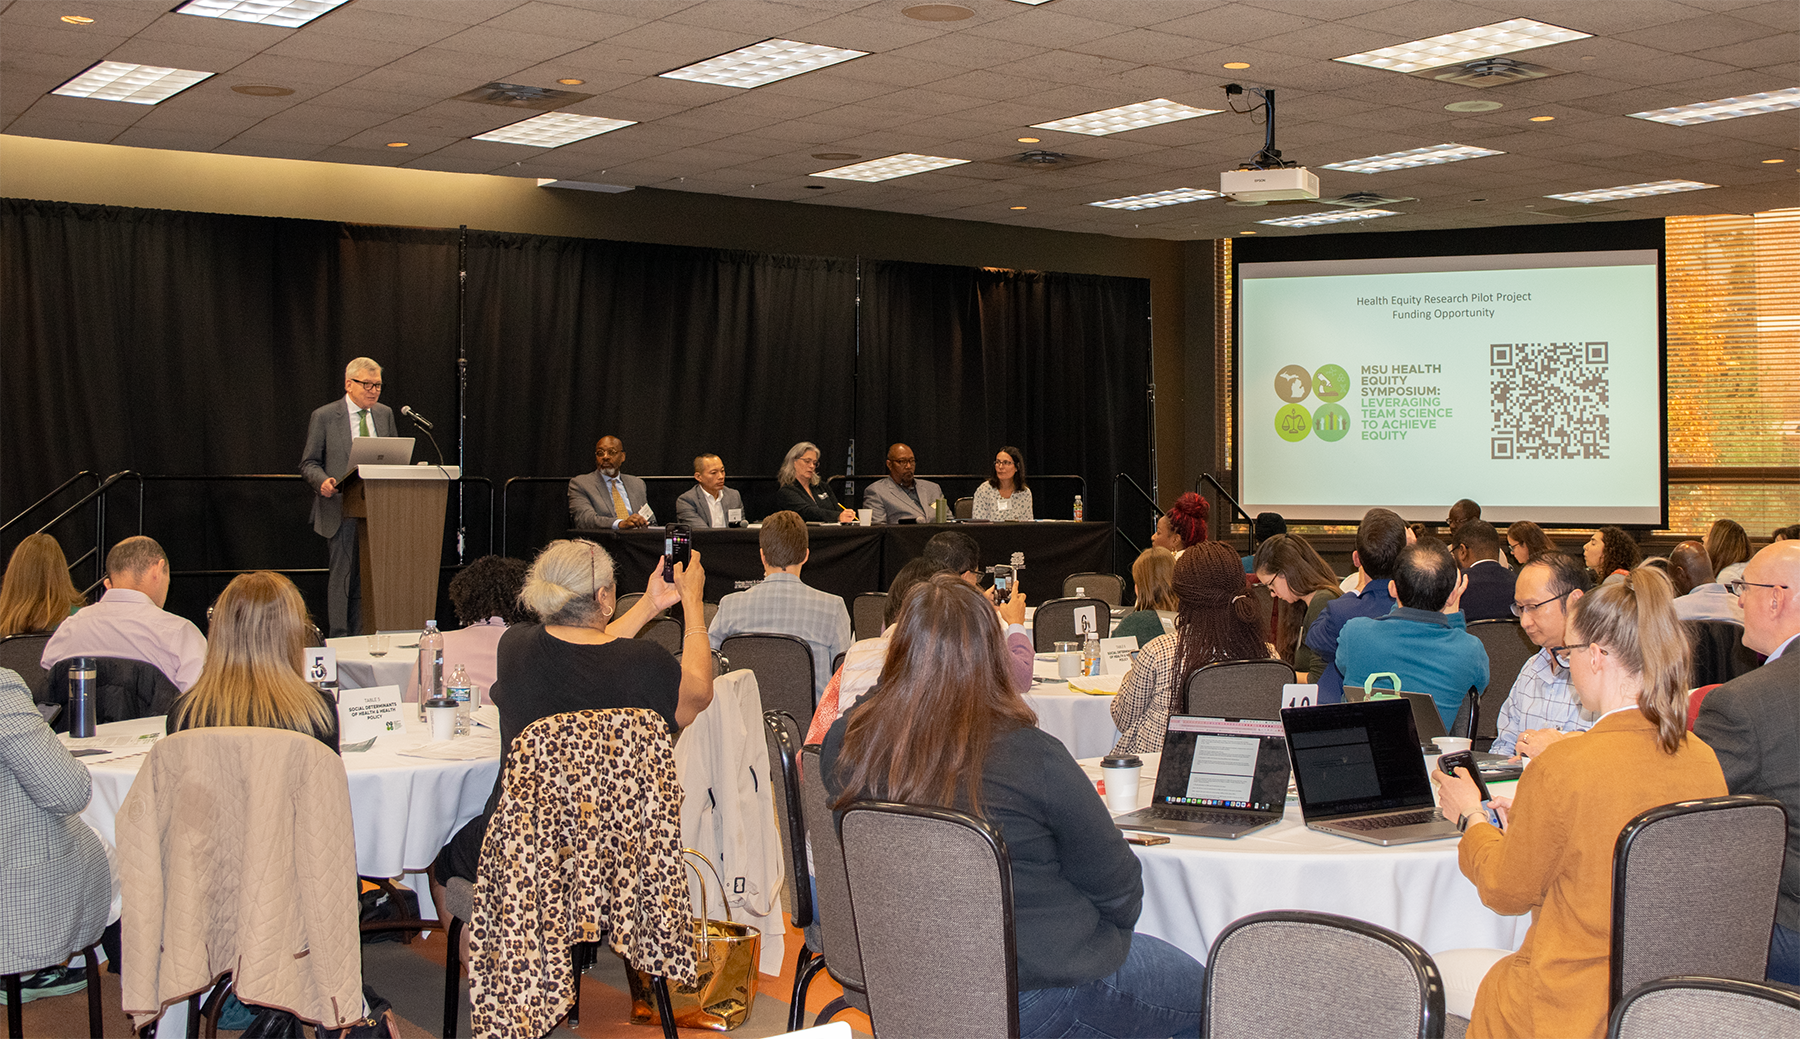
<point x="400" y="540"/>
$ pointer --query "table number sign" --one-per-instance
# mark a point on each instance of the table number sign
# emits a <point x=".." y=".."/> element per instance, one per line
<point x="1299" y="695"/>
<point x="321" y="665"/>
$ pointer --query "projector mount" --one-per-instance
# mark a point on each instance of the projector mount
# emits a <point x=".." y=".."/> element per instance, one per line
<point x="1270" y="156"/>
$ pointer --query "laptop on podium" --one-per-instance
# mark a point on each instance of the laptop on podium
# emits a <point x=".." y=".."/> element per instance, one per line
<point x="1360" y="773"/>
<point x="1219" y="777"/>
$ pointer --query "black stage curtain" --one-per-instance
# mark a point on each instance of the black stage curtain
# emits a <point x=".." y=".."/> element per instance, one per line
<point x="958" y="361"/>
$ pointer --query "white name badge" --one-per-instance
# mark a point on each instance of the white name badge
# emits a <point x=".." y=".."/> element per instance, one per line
<point x="733" y="517"/>
<point x="1299" y="695"/>
<point x="1086" y="621"/>
<point x="364" y="714"/>
<point x="1115" y="655"/>
<point x="321" y="665"/>
<point x="644" y="511"/>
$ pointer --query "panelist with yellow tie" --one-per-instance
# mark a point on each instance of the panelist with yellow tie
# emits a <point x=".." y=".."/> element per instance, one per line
<point x="326" y="459"/>
<point x="607" y="499"/>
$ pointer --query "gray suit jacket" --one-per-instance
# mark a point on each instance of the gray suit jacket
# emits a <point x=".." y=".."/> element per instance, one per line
<point x="1753" y="724"/>
<point x="58" y="890"/>
<point x="890" y="503"/>
<point x="590" y="504"/>
<point x="327" y="456"/>
<point x="691" y="508"/>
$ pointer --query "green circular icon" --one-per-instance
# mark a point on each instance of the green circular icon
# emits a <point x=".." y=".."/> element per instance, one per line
<point x="1292" y="384"/>
<point x="1293" y="423"/>
<point x="1331" y="422"/>
<point x="1330" y="383"/>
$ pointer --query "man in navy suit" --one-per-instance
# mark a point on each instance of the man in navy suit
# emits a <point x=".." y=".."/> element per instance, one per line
<point x="325" y="462"/>
<point x="1476" y="546"/>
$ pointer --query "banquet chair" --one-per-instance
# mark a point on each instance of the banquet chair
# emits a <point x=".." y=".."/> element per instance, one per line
<point x="784" y="670"/>
<point x="783" y="736"/>
<point x="866" y="612"/>
<point x="939" y="917"/>
<point x="1094" y="585"/>
<point x="664" y="631"/>
<point x="1291" y="972"/>
<point x="1694" y="887"/>
<point x="15" y="1018"/>
<point x="1681" y="1008"/>
<point x="1508" y="649"/>
<point x="1238" y="689"/>
<point x="23" y="653"/>
<point x="124" y="689"/>
<point x="1054" y="621"/>
<point x="965" y="508"/>
<point x="836" y="918"/>
<point x="1719" y="652"/>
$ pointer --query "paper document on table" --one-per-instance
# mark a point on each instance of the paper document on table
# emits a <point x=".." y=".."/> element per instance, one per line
<point x="1096" y="685"/>
<point x="110" y="748"/>
<point x="472" y="748"/>
<point x="487" y="716"/>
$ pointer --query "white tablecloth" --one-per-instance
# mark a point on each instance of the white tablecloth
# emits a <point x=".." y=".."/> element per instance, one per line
<point x="357" y="669"/>
<point x="1082" y="721"/>
<point x="1194" y="886"/>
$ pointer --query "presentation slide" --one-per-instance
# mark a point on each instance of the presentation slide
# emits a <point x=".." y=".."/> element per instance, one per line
<point x="1529" y="382"/>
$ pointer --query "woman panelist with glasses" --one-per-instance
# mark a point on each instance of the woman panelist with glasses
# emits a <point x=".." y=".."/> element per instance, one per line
<point x="802" y="490"/>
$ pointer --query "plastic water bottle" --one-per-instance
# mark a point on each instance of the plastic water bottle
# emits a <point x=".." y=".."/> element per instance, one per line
<point x="463" y="692"/>
<point x="1078" y="508"/>
<point x="431" y="665"/>
<point x="83" y="672"/>
<point x="1090" y="653"/>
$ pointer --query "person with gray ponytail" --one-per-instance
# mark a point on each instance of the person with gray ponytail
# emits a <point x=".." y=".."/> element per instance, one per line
<point x="1552" y="854"/>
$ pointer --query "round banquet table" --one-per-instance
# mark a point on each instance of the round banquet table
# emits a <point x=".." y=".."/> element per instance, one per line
<point x="1194" y="886"/>
<point x="358" y="669"/>
<point x="1082" y="721"/>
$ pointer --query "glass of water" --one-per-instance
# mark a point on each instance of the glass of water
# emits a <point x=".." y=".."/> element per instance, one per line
<point x="378" y="645"/>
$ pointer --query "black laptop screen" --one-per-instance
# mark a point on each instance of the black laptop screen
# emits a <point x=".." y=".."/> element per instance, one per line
<point x="1356" y="757"/>
<point x="1220" y="763"/>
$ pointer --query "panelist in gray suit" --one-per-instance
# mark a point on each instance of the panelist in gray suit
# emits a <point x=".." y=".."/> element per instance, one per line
<point x="607" y="499"/>
<point x="324" y="463"/>
<point x="709" y="503"/>
<point x="899" y="496"/>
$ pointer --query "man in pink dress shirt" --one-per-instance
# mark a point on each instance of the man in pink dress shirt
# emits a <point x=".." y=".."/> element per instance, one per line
<point x="129" y="620"/>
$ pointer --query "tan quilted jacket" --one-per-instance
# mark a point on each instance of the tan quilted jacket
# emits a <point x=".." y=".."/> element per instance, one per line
<point x="236" y="853"/>
<point x="584" y="846"/>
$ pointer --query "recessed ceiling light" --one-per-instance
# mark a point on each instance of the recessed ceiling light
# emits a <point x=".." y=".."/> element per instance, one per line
<point x="1246" y="232"/>
<point x="1157" y="199"/>
<point x="1770" y="162"/>
<point x="937" y="12"/>
<point x="571" y="82"/>
<point x="553" y="129"/>
<point x="904" y="164"/>
<point x="1338" y="216"/>
<point x="76" y="19"/>
<point x="262" y="90"/>
<point x="398" y="144"/>
<point x="1127" y="117"/>
<point x="1473" y="106"/>
<point x="1237" y="64"/>
<point x="1655" y="187"/>
<point x="1486" y="41"/>
<point x="136" y="84"/>
<point x="1542" y="119"/>
<point x="1029" y="140"/>
<point x="286" y="13"/>
<point x="763" y="62"/>
<point x="1015" y="207"/>
<point x="1724" y="108"/>
<point x="1432" y="156"/>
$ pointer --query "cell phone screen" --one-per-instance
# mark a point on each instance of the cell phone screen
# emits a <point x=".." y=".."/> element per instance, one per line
<point x="677" y="548"/>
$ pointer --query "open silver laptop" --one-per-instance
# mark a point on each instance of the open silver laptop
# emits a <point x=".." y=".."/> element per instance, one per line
<point x="1360" y="774"/>
<point x="380" y="451"/>
<point x="1219" y="777"/>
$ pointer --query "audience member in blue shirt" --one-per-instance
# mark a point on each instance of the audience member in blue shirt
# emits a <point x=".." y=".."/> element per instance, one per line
<point x="1424" y="639"/>
<point x="1380" y="537"/>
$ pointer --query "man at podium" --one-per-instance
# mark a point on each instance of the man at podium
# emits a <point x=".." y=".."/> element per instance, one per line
<point x="327" y="456"/>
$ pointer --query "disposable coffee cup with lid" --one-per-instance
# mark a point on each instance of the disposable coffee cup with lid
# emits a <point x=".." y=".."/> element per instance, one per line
<point x="1119" y="778"/>
<point x="440" y="711"/>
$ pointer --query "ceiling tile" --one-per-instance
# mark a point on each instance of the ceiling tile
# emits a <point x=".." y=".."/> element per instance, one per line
<point x="570" y="22"/>
<point x="1242" y="23"/>
<point x="58" y="128"/>
<point x="1692" y="34"/>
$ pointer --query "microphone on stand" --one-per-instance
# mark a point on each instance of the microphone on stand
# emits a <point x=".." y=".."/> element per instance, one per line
<point x="406" y="409"/>
<point x="424" y="424"/>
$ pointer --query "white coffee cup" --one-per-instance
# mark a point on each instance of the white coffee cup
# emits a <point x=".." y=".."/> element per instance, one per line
<point x="864" y="517"/>
<point x="1120" y="774"/>
<point x="1452" y="744"/>
<point x="441" y="713"/>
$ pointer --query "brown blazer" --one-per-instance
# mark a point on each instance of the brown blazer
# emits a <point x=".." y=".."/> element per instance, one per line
<point x="1555" y="861"/>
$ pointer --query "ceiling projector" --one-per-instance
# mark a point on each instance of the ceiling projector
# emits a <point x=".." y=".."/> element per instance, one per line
<point x="1272" y="185"/>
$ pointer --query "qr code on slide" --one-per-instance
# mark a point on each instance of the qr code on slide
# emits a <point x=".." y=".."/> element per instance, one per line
<point x="1550" y="400"/>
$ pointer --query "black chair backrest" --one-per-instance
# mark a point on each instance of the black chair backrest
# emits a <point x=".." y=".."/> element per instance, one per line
<point x="965" y="508"/>
<point x="1694" y="887"/>
<point x="866" y="613"/>
<point x="1054" y="622"/>
<point x="784" y="671"/>
<point x="837" y="921"/>
<point x="1468" y="716"/>
<point x="1238" y="689"/>
<point x="124" y="689"/>
<point x="1299" y="973"/>
<point x="1683" y="1008"/>
<point x="1508" y="649"/>
<point x="665" y="632"/>
<point x="1095" y="585"/>
<point x="782" y="734"/>
<point x="1719" y="652"/>
<point x="939" y="917"/>
<point x="22" y="653"/>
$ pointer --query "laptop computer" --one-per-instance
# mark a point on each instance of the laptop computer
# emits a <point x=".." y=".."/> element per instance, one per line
<point x="1219" y="777"/>
<point x="380" y="451"/>
<point x="1360" y="774"/>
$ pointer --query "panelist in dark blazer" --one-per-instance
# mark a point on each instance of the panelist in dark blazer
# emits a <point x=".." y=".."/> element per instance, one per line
<point x="709" y="503"/>
<point x="801" y="490"/>
<point x="1476" y="545"/>
<point x="1753" y="724"/>
<point x="324" y="463"/>
<point x="901" y="496"/>
<point x="607" y="499"/>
